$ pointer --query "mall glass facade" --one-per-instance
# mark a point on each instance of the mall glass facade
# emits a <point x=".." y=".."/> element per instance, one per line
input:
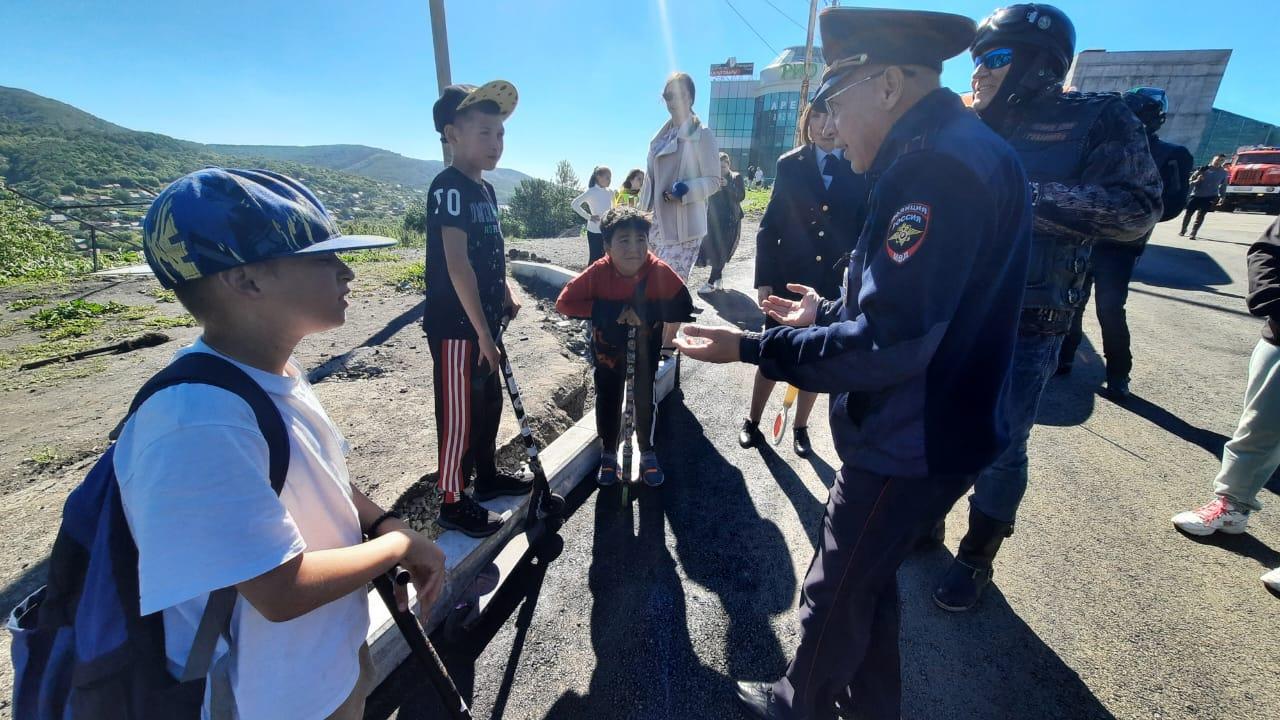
<point x="732" y="117"/>
<point x="754" y="119"/>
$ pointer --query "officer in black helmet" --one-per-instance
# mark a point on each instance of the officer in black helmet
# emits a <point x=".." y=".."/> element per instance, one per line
<point x="916" y="353"/>
<point x="1092" y="179"/>
<point x="1112" y="263"/>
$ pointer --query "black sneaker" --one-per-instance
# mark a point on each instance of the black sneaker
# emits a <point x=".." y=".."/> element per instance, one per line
<point x="749" y="435"/>
<point x="469" y="518"/>
<point x="501" y="485"/>
<point x="1117" y="390"/>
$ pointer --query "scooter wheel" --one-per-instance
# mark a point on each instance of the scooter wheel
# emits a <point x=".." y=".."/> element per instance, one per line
<point x="553" y="507"/>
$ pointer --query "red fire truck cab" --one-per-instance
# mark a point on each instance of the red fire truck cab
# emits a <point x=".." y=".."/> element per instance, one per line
<point x="1254" y="180"/>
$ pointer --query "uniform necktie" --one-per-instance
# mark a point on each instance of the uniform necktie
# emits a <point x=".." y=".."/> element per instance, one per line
<point x="829" y="169"/>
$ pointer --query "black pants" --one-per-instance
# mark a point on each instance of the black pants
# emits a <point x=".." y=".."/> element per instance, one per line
<point x="468" y="411"/>
<point x="1110" y="270"/>
<point x="595" y="246"/>
<point x="611" y="385"/>
<point x="1197" y="206"/>
<point x="849" y="607"/>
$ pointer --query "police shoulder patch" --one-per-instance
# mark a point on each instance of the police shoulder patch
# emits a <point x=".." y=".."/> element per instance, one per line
<point x="907" y="231"/>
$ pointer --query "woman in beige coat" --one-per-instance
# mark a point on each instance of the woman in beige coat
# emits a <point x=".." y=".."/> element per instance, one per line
<point x="684" y="170"/>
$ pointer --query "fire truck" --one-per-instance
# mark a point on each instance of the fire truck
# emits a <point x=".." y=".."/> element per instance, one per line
<point x="1254" y="180"/>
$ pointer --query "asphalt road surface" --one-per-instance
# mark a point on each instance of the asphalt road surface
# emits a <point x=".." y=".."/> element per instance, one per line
<point x="1100" y="608"/>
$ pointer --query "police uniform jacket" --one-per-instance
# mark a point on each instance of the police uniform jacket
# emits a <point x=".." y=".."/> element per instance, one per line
<point x="809" y="229"/>
<point x="920" y="345"/>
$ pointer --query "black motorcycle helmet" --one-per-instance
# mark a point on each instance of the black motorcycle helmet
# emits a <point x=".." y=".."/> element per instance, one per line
<point x="1150" y="104"/>
<point x="1044" y="42"/>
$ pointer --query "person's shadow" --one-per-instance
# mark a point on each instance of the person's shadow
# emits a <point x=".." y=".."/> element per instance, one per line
<point x="986" y="663"/>
<point x="646" y="666"/>
<point x="1182" y="269"/>
<point x="809" y="509"/>
<point x="738" y="308"/>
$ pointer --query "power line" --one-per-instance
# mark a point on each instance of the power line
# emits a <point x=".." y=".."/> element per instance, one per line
<point x="748" y="24"/>
<point x="104" y="231"/>
<point x="785" y="15"/>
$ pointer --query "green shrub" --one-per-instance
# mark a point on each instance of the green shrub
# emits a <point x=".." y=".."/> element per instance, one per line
<point x="31" y="251"/>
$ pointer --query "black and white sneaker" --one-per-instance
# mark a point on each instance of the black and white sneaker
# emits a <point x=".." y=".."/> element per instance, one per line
<point x="501" y="485"/>
<point x="469" y="518"/>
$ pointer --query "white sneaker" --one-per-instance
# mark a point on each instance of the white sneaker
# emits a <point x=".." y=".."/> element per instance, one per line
<point x="718" y="285"/>
<point x="706" y="288"/>
<point x="1218" y="516"/>
<point x="1272" y="580"/>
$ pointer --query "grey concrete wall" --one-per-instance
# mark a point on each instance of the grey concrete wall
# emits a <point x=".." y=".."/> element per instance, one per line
<point x="1190" y="77"/>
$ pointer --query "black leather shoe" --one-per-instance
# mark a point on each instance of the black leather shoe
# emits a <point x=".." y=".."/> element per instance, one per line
<point x="757" y="700"/>
<point x="749" y="435"/>
<point x="802" y="445"/>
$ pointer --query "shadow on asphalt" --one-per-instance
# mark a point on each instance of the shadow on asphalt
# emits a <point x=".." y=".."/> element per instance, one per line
<point x="986" y="663"/>
<point x="405" y="694"/>
<point x="646" y="665"/>
<point x="1209" y="440"/>
<point x="1244" y="545"/>
<point x="736" y="307"/>
<point x="1068" y="400"/>
<point x="1180" y="268"/>
<point x="808" y="508"/>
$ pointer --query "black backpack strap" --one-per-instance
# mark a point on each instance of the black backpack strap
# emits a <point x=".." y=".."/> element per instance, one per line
<point x="207" y="369"/>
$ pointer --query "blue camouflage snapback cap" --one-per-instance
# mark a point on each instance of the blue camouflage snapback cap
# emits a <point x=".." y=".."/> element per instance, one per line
<point x="219" y="218"/>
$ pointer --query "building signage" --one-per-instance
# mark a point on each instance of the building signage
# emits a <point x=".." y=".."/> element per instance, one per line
<point x="733" y="69"/>
<point x="796" y="71"/>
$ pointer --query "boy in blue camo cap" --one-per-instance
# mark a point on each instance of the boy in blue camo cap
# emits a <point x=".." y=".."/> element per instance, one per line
<point x="251" y="254"/>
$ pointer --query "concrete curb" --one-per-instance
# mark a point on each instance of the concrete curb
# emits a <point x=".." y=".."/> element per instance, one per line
<point x="567" y="461"/>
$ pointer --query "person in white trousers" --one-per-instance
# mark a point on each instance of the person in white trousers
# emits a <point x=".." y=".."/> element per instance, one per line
<point x="1253" y="454"/>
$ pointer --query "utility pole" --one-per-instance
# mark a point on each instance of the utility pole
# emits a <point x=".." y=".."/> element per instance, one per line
<point x="808" y="61"/>
<point x="440" y="39"/>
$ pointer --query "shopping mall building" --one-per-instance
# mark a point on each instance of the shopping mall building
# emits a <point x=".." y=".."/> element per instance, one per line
<point x="754" y="119"/>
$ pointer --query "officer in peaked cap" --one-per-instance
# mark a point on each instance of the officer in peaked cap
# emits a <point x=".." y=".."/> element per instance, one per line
<point x="916" y="353"/>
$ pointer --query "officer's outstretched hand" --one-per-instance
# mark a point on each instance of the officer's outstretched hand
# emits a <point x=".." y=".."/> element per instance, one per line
<point x="795" y="313"/>
<point x="710" y="344"/>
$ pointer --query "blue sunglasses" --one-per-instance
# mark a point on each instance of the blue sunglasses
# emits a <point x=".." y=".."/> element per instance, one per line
<point x="994" y="59"/>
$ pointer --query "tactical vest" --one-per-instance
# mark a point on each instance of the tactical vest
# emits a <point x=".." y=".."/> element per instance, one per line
<point x="1051" y="136"/>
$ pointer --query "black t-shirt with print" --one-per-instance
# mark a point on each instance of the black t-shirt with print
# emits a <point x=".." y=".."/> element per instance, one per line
<point x="457" y="201"/>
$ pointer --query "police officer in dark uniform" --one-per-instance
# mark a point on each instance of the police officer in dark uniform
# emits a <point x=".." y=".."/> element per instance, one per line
<point x="917" y="352"/>
<point x="1111" y="265"/>
<point x="1092" y="179"/>
<point x="807" y="232"/>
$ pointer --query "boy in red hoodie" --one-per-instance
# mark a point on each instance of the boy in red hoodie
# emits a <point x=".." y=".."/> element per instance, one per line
<point x="628" y="287"/>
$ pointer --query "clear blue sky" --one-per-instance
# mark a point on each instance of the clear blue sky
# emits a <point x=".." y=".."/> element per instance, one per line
<point x="589" y="71"/>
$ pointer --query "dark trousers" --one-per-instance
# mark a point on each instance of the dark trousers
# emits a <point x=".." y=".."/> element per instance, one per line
<point x="611" y="385"/>
<point x="849" y="607"/>
<point x="468" y="411"/>
<point x="1110" y="270"/>
<point x="1197" y="206"/>
<point x="595" y="246"/>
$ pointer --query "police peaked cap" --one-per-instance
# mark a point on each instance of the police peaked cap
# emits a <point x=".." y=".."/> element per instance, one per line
<point x="853" y="38"/>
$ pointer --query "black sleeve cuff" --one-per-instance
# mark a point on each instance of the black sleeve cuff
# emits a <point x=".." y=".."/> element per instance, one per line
<point x="749" y="347"/>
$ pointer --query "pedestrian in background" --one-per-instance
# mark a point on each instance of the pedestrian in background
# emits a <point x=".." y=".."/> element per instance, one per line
<point x="1208" y="185"/>
<point x="1253" y="453"/>
<point x="597" y="199"/>
<point x="629" y="193"/>
<point x="809" y="227"/>
<point x="683" y="173"/>
<point x="724" y="224"/>
<point x="1112" y="263"/>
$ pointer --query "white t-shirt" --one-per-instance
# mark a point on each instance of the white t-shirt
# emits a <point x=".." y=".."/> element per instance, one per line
<point x="599" y="199"/>
<point x="192" y="468"/>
